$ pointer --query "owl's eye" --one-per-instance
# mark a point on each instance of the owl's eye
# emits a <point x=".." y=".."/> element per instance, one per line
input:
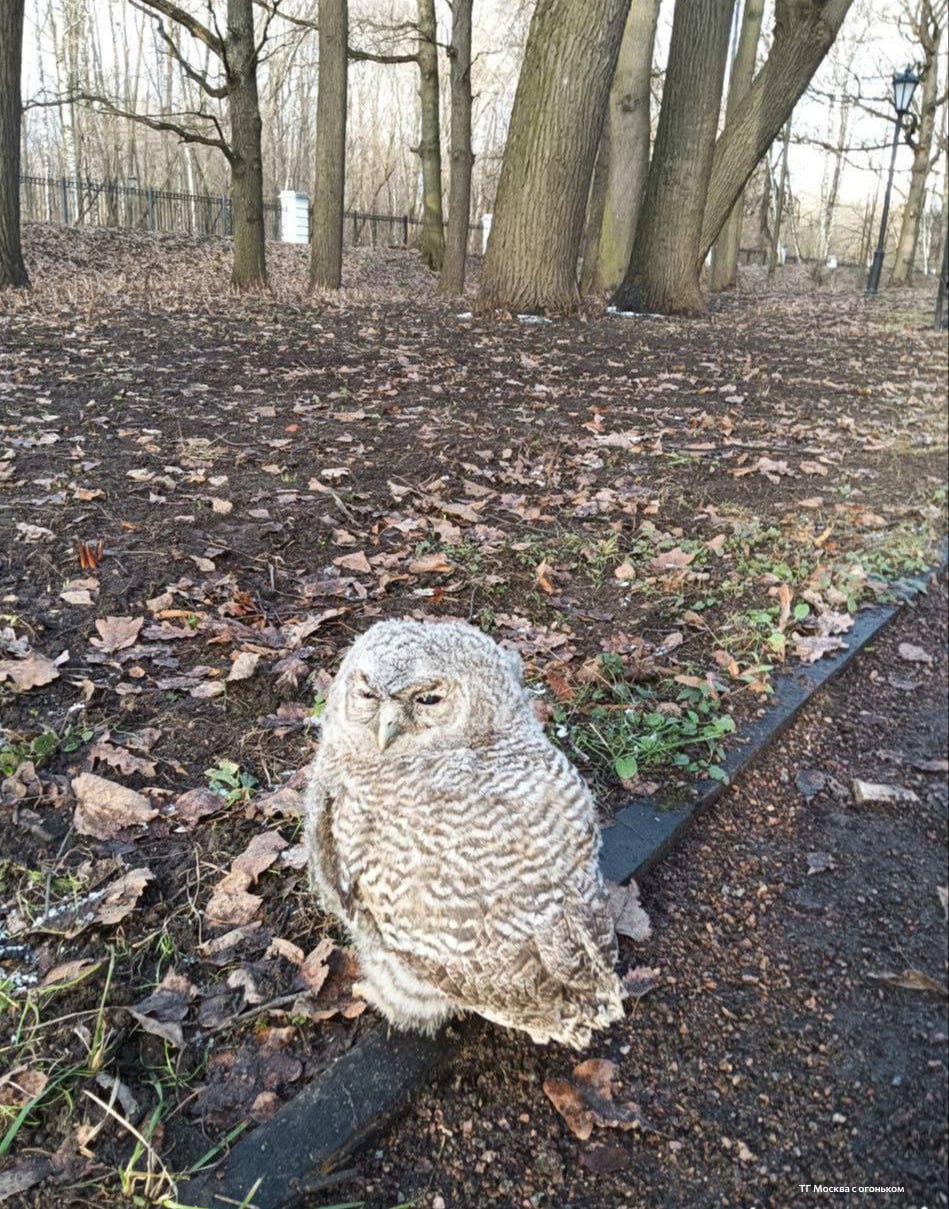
<point x="367" y="694"/>
<point x="428" y="698"/>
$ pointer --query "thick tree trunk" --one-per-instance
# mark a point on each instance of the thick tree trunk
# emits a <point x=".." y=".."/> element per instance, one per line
<point x="326" y="240"/>
<point x="12" y="269"/>
<point x="804" y="31"/>
<point x="626" y="143"/>
<point x="558" y="111"/>
<point x="247" y="175"/>
<point x="459" y="191"/>
<point x="663" y="272"/>
<point x="596" y="204"/>
<point x="430" y="147"/>
<point x="922" y="157"/>
<point x="724" y="271"/>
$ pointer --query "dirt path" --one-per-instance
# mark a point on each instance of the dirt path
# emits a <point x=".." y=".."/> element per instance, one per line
<point x="768" y="1057"/>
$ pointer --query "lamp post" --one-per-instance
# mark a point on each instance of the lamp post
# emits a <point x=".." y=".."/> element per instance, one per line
<point x="904" y="85"/>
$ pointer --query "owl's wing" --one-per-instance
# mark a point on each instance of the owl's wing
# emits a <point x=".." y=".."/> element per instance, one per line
<point x="328" y="875"/>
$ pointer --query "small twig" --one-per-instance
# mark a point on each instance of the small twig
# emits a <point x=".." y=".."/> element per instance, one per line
<point x="256" y="1011"/>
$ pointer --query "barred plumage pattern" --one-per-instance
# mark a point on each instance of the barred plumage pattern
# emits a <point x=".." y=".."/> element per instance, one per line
<point x="455" y="843"/>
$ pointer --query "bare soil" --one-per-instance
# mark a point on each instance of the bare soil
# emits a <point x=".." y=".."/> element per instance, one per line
<point x="771" y="1056"/>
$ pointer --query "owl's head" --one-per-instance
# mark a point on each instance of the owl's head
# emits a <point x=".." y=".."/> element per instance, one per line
<point x="408" y="685"/>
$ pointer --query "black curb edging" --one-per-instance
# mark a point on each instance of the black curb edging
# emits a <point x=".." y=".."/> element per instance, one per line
<point x="363" y="1090"/>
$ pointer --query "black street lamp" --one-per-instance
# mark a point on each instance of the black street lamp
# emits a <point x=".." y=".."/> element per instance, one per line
<point x="904" y="85"/>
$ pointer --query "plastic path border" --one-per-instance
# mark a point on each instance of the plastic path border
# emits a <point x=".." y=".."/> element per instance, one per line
<point x="364" y="1089"/>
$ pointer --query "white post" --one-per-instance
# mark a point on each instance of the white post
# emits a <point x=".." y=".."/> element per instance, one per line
<point x="485" y="231"/>
<point x="294" y="217"/>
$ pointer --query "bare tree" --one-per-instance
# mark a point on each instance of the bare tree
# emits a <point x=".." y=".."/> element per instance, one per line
<point x="459" y="192"/>
<point x="430" y="145"/>
<point x="663" y="271"/>
<point x="558" y="111"/>
<point x="623" y="159"/>
<point x="804" y="31"/>
<point x="12" y="269"/>
<point x="928" y="21"/>
<point x="724" y="270"/>
<point x="779" y="202"/>
<point x="238" y="51"/>
<point x="326" y="242"/>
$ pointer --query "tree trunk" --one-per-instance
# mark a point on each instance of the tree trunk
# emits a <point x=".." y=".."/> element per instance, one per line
<point x="779" y="203"/>
<point x="326" y="240"/>
<point x="247" y="175"/>
<point x="459" y="191"/>
<point x="724" y="272"/>
<point x="804" y="30"/>
<point x="12" y="269"/>
<point x="430" y="147"/>
<point x="663" y="272"/>
<point x="833" y="188"/>
<point x="922" y="156"/>
<point x="596" y="204"/>
<point x="626" y="142"/>
<point x="558" y="111"/>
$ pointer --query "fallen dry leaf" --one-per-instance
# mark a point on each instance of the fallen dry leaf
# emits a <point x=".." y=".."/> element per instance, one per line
<point x="104" y="807"/>
<point x="640" y="980"/>
<point x="911" y="980"/>
<point x="544" y="577"/>
<point x="585" y="1099"/>
<point x="259" y="854"/>
<point x="103" y="906"/>
<point x="68" y="972"/>
<point x="33" y="671"/>
<point x="33" y="533"/>
<point x="354" y="562"/>
<point x="243" y="666"/>
<point x="116" y="633"/>
<point x="810" y="648"/>
<point x="193" y="805"/>
<point x="913" y="654"/>
<point x="431" y="564"/>
<point x="121" y="758"/>
<point x="629" y="918"/>
<point x="23" y="1175"/>
<point x="230" y="903"/>
<point x="672" y="560"/>
<point x="162" y="1012"/>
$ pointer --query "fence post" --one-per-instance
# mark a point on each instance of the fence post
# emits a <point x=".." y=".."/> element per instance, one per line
<point x="405" y="230"/>
<point x="65" y="201"/>
<point x="150" y="207"/>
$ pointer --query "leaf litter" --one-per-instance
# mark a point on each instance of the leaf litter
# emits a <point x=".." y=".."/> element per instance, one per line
<point x="554" y="506"/>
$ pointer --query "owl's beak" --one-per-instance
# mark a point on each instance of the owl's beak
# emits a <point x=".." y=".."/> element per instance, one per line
<point x="390" y="723"/>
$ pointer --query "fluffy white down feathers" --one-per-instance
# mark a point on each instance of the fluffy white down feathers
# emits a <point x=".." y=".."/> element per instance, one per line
<point x="455" y="843"/>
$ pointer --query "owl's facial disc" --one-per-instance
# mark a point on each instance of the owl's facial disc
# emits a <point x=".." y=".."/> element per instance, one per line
<point x="410" y="710"/>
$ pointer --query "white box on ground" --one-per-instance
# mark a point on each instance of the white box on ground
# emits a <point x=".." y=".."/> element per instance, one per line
<point x="294" y="217"/>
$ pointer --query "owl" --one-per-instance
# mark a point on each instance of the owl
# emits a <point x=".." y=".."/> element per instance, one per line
<point x="455" y="843"/>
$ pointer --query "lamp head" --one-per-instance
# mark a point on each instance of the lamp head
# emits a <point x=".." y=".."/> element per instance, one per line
<point x="904" y="85"/>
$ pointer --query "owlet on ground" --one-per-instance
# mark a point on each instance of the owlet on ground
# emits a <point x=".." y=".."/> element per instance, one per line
<point x="455" y="843"/>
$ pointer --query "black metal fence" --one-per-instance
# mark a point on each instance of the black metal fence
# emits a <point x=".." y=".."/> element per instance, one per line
<point x="140" y="207"/>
